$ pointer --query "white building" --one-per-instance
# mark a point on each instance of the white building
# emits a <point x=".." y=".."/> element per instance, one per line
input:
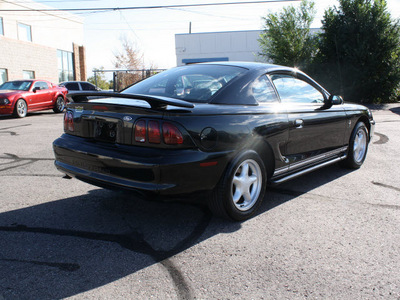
<point x="40" y="44"/>
<point x="218" y="46"/>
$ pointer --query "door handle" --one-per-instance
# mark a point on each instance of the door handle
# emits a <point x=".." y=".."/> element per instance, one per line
<point x="299" y="123"/>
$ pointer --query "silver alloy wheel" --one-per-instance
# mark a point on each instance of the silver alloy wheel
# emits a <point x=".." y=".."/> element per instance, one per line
<point x="21" y="108"/>
<point x="360" y="145"/>
<point x="246" y="185"/>
<point x="60" y="104"/>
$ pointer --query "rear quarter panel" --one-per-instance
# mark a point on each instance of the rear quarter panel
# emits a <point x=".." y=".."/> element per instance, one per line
<point x="238" y="128"/>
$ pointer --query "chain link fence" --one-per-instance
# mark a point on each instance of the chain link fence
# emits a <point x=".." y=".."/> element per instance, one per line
<point x="124" y="78"/>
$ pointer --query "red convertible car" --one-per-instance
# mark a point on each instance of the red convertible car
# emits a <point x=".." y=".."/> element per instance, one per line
<point x="22" y="96"/>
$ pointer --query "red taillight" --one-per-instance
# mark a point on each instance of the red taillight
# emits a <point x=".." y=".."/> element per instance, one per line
<point x="69" y="121"/>
<point x="152" y="132"/>
<point x="153" y="129"/>
<point x="171" y="134"/>
<point x="140" y="131"/>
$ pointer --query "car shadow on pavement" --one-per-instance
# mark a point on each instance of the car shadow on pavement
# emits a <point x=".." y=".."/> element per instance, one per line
<point x="395" y="110"/>
<point x="279" y="194"/>
<point x="62" y="248"/>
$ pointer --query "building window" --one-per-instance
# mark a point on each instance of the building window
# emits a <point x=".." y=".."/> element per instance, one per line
<point x="3" y="76"/>
<point x="24" y="32"/>
<point x="1" y="26"/>
<point x="65" y="66"/>
<point x="28" y="74"/>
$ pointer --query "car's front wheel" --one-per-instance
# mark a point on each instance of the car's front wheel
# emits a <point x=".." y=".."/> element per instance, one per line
<point x="59" y="105"/>
<point x="20" y="109"/>
<point x="358" y="147"/>
<point x="241" y="190"/>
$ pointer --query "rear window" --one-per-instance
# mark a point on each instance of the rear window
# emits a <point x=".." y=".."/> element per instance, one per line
<point x="195" y="83"/>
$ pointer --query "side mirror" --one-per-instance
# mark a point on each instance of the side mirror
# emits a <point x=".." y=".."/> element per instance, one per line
<point x="335" y="100"/>
<point x="36" y="89"/>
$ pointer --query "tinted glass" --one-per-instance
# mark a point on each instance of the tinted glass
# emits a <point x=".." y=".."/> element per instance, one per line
<point x="195" y="83"/>
<point x="87" y="86"/>
<point x="294" y="90"/>
<point x="263" y="90"/>
<point x="16" y="85"/>
<point x="72" y="86"/>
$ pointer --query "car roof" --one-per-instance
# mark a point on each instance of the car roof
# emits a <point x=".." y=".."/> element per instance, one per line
<point x="74" y="81"/>
<point x="251" y="65"/>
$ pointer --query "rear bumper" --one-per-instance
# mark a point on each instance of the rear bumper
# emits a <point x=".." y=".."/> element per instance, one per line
<point x="165" y="172"/>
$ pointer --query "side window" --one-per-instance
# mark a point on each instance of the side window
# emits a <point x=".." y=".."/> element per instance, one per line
<point x="42" y="85"/>
<point x="263" y="90"/>
<point x="72" y="86"/>
<point x="87" y="86"/>
<point x="294" y="90"/>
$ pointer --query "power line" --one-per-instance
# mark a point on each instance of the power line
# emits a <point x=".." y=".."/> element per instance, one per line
<point x="149" y="7"/>
<point x="43" y="11"/>
<point x="56" y="1"/>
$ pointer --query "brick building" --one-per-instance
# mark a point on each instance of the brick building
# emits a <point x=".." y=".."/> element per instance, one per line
<point x="40" y="44"/>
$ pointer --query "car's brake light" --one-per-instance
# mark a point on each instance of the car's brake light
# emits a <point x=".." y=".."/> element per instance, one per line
<point x="171" y="134"/>
<point x="140" y="131"/>
<point x="69" y="121"/>
<point x="154" y="130"/>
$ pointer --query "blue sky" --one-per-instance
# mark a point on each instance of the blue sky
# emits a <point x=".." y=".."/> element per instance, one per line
<point x="153" y="31"/>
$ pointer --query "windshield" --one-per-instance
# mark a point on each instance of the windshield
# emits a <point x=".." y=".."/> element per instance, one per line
<point x="16" y="85"/>
<point x="194" y="83"/>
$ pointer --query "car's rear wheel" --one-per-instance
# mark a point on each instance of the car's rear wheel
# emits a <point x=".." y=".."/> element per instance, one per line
<point x="59" y="105"/>
<point x="20" y="109"/>
<point x="358" y="147"/>
<point x="241" y="190"/>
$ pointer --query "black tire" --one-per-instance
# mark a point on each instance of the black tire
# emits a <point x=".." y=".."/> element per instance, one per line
<point x="59" y="106"/>
<point x="358" y="147"/>
<point x="20" y="109"/>
<point x="241" y="190"/>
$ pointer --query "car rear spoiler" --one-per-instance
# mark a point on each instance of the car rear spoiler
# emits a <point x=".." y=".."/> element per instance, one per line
<point x="155" y="102"/>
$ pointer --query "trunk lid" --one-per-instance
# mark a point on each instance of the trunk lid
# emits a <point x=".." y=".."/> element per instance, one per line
<point x="112" y="120"/>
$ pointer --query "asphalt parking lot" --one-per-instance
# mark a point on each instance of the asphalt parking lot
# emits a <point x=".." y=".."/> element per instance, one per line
<point x="332" y="234"/>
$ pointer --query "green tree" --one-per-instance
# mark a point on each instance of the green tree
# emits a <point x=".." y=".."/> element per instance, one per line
<point x="287" y="39"/>
<point x="359" y="54"/>
<point x="100" y="78"/>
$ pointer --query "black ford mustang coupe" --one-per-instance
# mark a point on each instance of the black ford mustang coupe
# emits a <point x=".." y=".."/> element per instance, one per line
<point x="227" y="128"/>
